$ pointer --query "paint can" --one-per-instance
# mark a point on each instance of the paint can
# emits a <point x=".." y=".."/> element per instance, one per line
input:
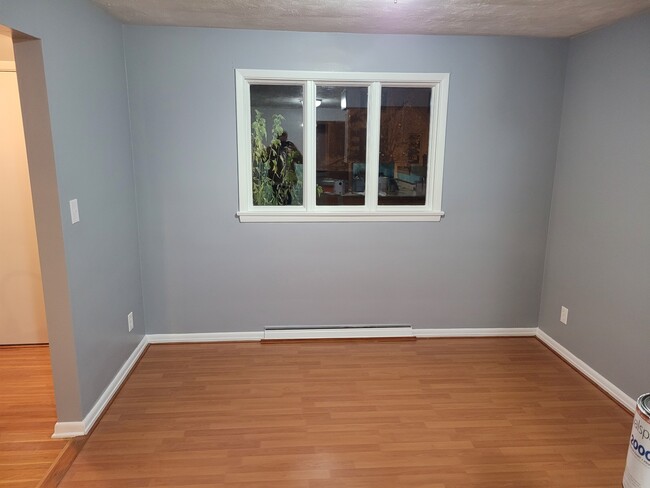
<point x="637" y="468"/>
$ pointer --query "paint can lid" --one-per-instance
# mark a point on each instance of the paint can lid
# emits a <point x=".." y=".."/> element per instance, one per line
<point x="644" y="403"/>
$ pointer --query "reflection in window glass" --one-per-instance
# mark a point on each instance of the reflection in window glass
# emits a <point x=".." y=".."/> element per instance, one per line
<point x="277" y="145"/>
<point x="341" y="121"/>
<point x="403" y="145"/>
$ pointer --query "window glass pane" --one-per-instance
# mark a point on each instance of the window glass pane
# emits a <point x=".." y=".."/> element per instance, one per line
<point x="403" y="145"/>
<point x="341" y="120"/>
<point x="277" y="144"/>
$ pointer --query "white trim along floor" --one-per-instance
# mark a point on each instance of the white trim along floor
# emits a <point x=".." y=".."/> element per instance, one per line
<point x="74" y="429"/>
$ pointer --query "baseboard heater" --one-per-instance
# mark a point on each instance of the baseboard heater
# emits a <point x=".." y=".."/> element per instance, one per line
<point x="277" y="332"/>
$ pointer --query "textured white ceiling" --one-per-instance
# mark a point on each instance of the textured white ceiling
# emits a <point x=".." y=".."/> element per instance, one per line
<point x="543" y="18"/>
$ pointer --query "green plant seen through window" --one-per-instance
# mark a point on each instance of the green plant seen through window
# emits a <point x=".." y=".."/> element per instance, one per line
<point x="274" y="172"/>
<point x="277" y="167"/>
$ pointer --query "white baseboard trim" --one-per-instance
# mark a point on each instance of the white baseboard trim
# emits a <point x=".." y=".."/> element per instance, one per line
<point x="64" y="430"/>
<point x="205" y="337"/>
<point x="602" y="382"/>
<point x="323" y="332"/>
<point x="477" y="332"/>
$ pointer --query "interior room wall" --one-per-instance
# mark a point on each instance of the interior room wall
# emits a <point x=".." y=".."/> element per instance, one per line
<point x="34" y="104"/>
<point x="204" y="271"/>
<point x="598" y="264"/>
<point x="86" y="83"/>
<point x="330" y="114"/>
<point x="22" y="309"/>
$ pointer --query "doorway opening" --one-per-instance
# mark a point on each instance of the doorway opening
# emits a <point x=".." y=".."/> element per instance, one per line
<point x="37" y="350"/>
<point x="22" y="306"/>
<point x="27" y="406"/>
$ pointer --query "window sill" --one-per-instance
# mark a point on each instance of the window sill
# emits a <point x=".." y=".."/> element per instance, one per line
<point x="293" y="216"/>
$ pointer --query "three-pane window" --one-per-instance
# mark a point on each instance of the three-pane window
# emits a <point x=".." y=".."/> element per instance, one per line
<point x="319" y="146"/>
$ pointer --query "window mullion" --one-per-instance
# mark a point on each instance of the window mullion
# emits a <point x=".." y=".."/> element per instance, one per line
<point x="309" y="136"/>
<point x="372" y="146"/>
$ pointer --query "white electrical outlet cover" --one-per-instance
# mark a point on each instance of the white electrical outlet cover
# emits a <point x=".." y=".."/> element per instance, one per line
<point x="130" y="321"/>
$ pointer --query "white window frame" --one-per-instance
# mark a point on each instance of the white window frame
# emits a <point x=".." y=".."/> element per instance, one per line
<point x="371" y="211"/>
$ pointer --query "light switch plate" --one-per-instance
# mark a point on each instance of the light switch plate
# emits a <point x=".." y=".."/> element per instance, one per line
<point x="564" y="315"/>
<point x="74" y="211"/>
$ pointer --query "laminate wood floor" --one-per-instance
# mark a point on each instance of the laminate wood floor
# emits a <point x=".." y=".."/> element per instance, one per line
<point x="27" y="416"/>
<point x="437" y="413"/>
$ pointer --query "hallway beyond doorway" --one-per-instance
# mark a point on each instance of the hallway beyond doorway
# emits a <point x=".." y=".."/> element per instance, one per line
<point x="27" y="416"/>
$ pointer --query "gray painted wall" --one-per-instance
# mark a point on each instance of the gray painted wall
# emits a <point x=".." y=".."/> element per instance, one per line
<point x="203" y="271"/>
<point x="481" y="266"/>
<point x="86" y="82"/>
<point x="598" y="254"/>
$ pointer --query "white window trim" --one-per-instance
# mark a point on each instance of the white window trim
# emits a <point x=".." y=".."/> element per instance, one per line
<point x="371" y="211"/>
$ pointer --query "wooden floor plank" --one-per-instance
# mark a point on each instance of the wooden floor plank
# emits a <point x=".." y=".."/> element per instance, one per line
<point x="437" y="413"/>
<point x="27" y="416"/>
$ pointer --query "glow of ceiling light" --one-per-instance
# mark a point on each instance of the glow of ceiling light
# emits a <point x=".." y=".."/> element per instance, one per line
<point x="344" y="100"/>
<point x="318" y="102"/>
